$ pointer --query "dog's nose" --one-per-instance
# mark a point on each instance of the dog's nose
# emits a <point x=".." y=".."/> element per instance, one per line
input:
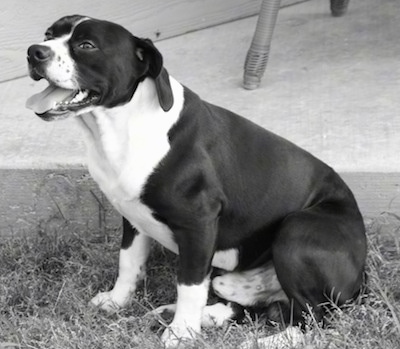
<point x="39" y="53"/>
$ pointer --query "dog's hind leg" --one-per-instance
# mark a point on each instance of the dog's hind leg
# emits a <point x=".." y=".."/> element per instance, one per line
<point x="254" y="287"/>
<point x="319" y="256"/>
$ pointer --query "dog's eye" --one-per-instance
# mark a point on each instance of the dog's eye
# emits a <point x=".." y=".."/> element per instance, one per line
<point x="48" y="36"/>
<point x="86" y="45"/>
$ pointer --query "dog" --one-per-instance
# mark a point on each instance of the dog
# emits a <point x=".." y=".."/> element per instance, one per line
<point x="223" y="193"/>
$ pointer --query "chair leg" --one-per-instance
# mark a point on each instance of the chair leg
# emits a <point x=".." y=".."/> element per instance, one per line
<point x="339" y="7"/>
<point x="257" y="55"/>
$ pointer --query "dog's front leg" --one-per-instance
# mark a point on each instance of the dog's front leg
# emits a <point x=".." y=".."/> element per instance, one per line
<point x="189" y="308"/>
<point x="196" y="250"/>
<point x="133" y="255"/>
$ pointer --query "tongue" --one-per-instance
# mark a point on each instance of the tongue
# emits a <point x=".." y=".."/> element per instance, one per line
<point x="48" y="98"/>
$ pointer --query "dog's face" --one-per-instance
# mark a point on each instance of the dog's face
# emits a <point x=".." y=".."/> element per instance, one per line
<point x="88" y="63"/>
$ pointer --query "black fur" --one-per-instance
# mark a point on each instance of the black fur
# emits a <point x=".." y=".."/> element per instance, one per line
<point x="228" y="183"/>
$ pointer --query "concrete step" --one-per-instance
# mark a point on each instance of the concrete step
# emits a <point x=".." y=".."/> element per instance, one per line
<point x="331" y="87"/>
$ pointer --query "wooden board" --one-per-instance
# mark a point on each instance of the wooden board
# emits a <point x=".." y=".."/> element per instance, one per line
<point x="23" y="22"/>
<point x="63" y="201"/>
<point x="375" y="192"/>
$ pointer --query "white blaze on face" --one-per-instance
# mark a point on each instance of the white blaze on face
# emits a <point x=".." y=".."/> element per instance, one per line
<point x="61" y="68"/>
<point x="61" y="73"/>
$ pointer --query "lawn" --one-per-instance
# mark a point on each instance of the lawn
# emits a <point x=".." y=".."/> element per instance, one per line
<point x="47" y="281"/>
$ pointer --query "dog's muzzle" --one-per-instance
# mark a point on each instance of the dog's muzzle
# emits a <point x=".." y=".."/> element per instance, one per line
<point x="55" y="101"/>
<point x="38" y="56"/>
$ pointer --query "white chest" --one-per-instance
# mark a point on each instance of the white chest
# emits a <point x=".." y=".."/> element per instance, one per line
<point x="125" y="144"/>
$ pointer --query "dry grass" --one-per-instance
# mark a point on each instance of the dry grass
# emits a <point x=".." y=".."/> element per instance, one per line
<point x="46" y="282"/>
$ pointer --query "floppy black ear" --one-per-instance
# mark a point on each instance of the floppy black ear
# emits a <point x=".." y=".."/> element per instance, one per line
<point x="147" y="52"/>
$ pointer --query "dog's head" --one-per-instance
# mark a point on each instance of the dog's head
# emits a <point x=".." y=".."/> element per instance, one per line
<point x="89" y="63"/>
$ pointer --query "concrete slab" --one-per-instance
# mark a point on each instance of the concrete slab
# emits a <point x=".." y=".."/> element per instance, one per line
<point x="331" y="87"/>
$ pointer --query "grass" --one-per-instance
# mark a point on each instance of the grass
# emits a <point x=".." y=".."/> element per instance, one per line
<point x="47" y="281"/>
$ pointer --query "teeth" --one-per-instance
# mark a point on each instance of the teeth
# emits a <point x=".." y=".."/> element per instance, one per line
<point x="80" y="96"/>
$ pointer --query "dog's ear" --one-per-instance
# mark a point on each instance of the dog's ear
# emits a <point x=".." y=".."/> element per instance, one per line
<point x="148" y="53"/>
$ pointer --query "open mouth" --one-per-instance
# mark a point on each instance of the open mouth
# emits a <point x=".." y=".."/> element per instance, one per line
<point x="57" y="100"/>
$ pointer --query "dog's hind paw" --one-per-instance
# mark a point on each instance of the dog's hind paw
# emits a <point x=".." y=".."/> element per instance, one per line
<point x="217" y="315"/>
<point x="213" y="315"/>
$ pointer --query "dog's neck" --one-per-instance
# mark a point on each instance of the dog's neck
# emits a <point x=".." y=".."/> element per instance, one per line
<point x="134" y="134"/>
<point x="102" y="121"/>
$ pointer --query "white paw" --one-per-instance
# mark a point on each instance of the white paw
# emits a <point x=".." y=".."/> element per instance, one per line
<point x="216" y="315"/>
<point x="176" y="336"/>
<point x="104" y="301"/>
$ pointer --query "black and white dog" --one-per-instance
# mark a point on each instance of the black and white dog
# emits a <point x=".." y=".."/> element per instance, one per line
<point x="204" y="182"/>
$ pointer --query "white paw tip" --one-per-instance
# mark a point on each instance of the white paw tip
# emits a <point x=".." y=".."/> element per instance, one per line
<point x="104" y="301"/>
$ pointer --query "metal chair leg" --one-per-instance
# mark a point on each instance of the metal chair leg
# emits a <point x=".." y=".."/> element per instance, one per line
<point x="339" y="7"/>
<point x="257" y="55"/>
